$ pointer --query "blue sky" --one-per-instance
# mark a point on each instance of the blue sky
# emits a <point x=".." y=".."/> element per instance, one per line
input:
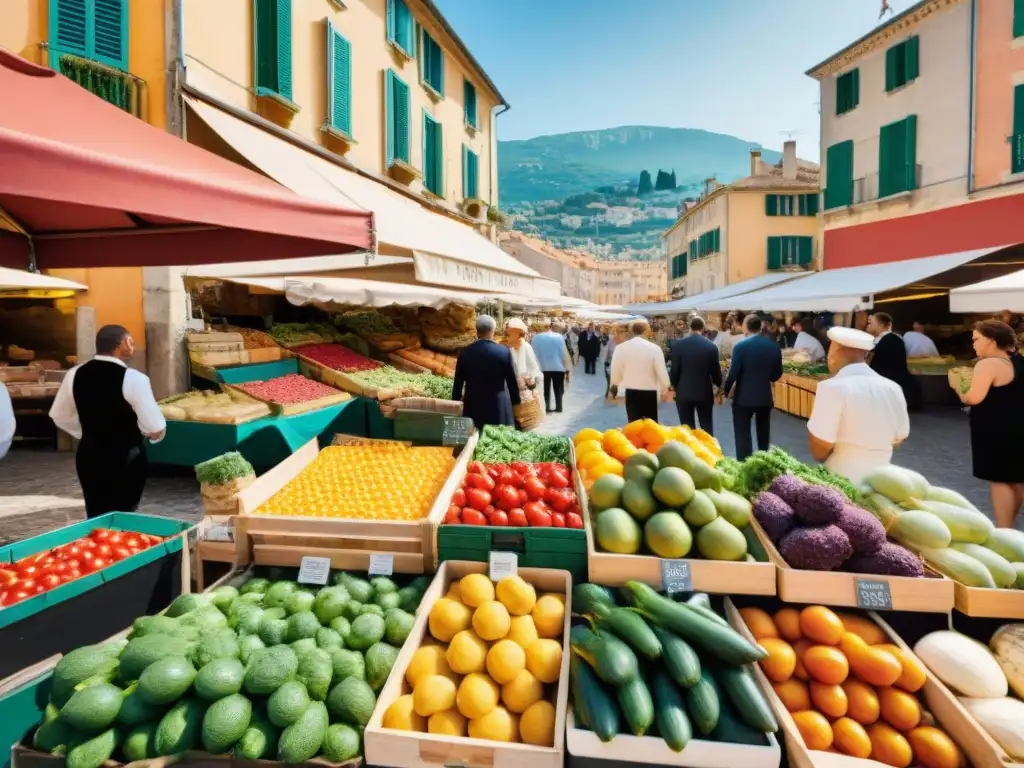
<point x="730" y="66"/>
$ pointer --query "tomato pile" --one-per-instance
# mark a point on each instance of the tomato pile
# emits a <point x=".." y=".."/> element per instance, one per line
<point x="516" y="494"/>
<point x="338" y="358"/>
<point x="41" y="572"/>
<point x="287" y="390"/>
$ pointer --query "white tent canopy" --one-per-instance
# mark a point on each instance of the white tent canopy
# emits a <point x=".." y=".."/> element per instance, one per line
<point x="372" y="293"/>
<point x="701" y="300"/>
<point x="19" y="280"/>
<point x="995" y="295"/>
<point x="307" y="266"/>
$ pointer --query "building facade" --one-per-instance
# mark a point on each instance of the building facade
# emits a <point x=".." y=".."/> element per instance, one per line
<point x="573" y="270"/>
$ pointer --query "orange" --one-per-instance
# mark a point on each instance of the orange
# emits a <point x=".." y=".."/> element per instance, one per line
<point x="591" y="461"/>
<point x="612" y="438"/>
<point x="586" y="434"/>
<point x="633" y="428"/>
<point x="623" y="451"/>
<point x="587" y="446"/>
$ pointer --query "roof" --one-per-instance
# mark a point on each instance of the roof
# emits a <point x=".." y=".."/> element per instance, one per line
<point x="464" y="50"/>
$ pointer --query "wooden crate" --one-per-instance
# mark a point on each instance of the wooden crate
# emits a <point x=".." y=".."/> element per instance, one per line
<point x="988" y="603"/>
<point x="387" y="748"/>
<point x="780" y="395"/>
<point x="283" y="540"/>
<point x="292" y="409"/>
<point x="932" y="594"/>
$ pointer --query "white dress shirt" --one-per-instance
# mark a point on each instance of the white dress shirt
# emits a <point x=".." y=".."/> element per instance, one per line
<point x="7" y="423"/>
<point x="919" y="345"/>
<point x="525" y="361"/>
<point x="810" y="345"/>
<point x="639" y="364"/>
<point x="137" y="391"/>
<point x="726" y="341"/>
<point x="863" y="415"/>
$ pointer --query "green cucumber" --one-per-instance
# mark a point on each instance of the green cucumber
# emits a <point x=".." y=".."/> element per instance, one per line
<point x="743" y="692"/>
<point x="699" y="598"/>
<point x="586" y="596"/>
<point x="703" y="703"/>
<point x="673" y="724"/>
<point x="630" y="626"/>
<point x="593" y="706"/>
<point x="636" y="705"/>
<point x="681" y="661"/>
<point x="612" y="660"/>
<point x="704" y="609"/>
<point x="731" y="729"/>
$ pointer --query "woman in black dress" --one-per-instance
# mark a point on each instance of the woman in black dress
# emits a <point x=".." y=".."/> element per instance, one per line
<point x="996" y="398"/>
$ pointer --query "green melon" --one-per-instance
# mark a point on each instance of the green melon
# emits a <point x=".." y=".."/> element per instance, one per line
<point x="666" y="534"/>
<point x="616" y="531"/>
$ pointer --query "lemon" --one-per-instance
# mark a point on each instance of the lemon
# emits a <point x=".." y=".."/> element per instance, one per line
<point x="516" y="595"/>
<point x="454" y="592"/>
<point x="592" y="459"/>
<point x="447" y="723"/>
<point x="586" y="434"/>
<point x="505" y="660"/>
<point x="477" y="696"/>
<point x="549" y="616"/>
<point x="523" y="691"/>
<point x="401" y="715"/>
<point x="476" y="589"/>
<point x="433" y="693"/>
<point x="557" y="595"/>
<point x="497" y="725"/>
<point x="537" y="724"/>
<point x="466" y="653"/>
<point x="587" y="446"/>
<point x="428" y="660"/>
<point x="491" y="621"/>
<point x="448" y="618"/>
<point x="522" y="631"/>
<point x="544" y="660"/>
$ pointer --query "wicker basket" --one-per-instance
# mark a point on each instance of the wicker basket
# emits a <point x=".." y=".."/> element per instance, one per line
<point x="961" y="378"/>
<point x="530" y="413"/>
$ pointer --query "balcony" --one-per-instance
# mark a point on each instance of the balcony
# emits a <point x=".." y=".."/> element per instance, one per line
<point x="121" y="89"/>
<point x="867" y="188"/>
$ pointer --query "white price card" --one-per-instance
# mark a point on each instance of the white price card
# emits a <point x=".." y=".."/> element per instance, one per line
<point x="314" y="570"/>
<point x="381" y="565"/>
<point x="503" y="564"/>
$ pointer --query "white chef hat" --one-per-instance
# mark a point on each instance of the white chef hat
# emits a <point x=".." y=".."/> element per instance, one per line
<point x="852" y="338"/>
<point x="516" y="323"/>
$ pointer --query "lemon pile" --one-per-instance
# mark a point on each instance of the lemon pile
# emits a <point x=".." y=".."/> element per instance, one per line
<point x="493" y="670"/>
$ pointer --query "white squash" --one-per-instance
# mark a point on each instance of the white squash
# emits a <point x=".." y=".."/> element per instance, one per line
<point x="965" y="665"/>
<point x="1008" y="646"/>
<point x="1002" y="719"/>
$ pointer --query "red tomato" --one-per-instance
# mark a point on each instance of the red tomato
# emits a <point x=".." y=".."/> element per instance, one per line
<point x="74" y="574"/>
<point x="73" y="565"/>
<point x="499" y="518"/>
<point x="116" y="537"/>
<point x="494" y="472"/>
<point x="38" y="589"/>
<point x="507" y="477"/>
<point x="489" y="510"/>
<point x="558" y="478"/>
<point x="517" y="517"/>
<point x="473" y="517"/>
<point x="523" y="496"/>
<point x="477" y="481"/>
<point x="459" y="498"/>
<point x="454" y="514"/>
<point x="16" y="595"/>
<point x="96" y="564"/>
<point x="476" y="468"/>
<point x="534" y="488"/>
<point x="133" y="542"/>
<point x="73" y="550"/>
<point x="87" y="544"/>
<point x="7" y="578"/>
<point x="557" y="520"/>
<point x="477" y="498"/>
<point x="522" y="469"/>
<point x="507" y="497"/>
<point x="50" y="580"/>
<point x="120" y="553"/>
<point x="100" y="534"/>
<point x="559" y="499"/>
<point x="572" y="520"/>
<point x="104" y="550"/>
<point x="537" y="515"/>
<point x="87" y="558"/>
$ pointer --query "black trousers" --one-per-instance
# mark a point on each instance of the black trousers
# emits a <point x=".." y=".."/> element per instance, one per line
<point x="110" y="483"/>
<point x="590" y="364"/>
<point x="554" y="380"/>
<point x="641" y="404"/>
<point x="741" y="418"/>
<point x="704" y="410"/>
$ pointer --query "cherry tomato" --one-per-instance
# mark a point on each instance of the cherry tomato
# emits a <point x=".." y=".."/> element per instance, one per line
<point x="100" y="534"/>
<point x="94" y="565"/>
<point x="7" y="578"/>
<point x="459" y="498"/>
<point x="50" y="580"/>
<point x="28" y="570"/>
<point x="534" y="488"/>
<point x="87" y="558"/>
<point x="499" y="518"/>
<point x="121" y="552"/>
<point x="74" y="574"/>
<point x="473" y="517"/>
<point x="454" y="514"/>
<point x="537" y="514"/>
<point x="104" y="550"/>
<point x="507" y="477"/>
<point x="87" y="545"/>
<point x="38" y="589"/>
<point x="13" y="596"/>
<point x="522" y="469"/>
<point x="572" y="520"/>
<point x="73" y="565"/>
<point x="133" y="542"/>
<point x="517" y="517"/>
<point x="116" y="537"/>
<point x="477" y="498"/>
<point x="26" y="584"/>
<point x="557" y="520"/>
<point x="73" y="550"/>
<point x="558" y="479"/>
<point x="506" y="497"/>
<point x="559" y="499"/>
<point x="476" y="468"/>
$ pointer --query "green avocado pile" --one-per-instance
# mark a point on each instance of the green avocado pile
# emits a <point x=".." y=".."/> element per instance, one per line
<point x="274" y="670"/>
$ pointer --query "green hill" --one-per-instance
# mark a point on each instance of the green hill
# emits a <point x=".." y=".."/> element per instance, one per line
<point x="553" y="167"/>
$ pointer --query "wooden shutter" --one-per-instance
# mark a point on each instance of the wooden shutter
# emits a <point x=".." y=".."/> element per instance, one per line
<point x="265" y="44"/>
<point x="403" y="27"/>
<point x="1018" y="18"/>
<point x="718" y="241"/>
<point x="774" y="253"/>
<point x="839" y="175"/>
<point x="389" y="117"/>
<point x="284" y="48"/>
<point x="391" y="22"/>
<point x="804" y="253"/>
<point x="110" y="33"/>
<point x="771" y="205"/>
<point x="69" y="27"/>
<point x="892" y="56"/>
<point x="94" y="29"/>
<point x="911" y="58"/>
<point x="339" y="81"/>
<point x="890" y="155"/>
<point x="469" y="103"/>
<point x="910" y="151"/>
<point x="432" y="155"/>
<point x="1017" y="139"/>
<point x="401" y="114"/>
<point x="854" y="89"/>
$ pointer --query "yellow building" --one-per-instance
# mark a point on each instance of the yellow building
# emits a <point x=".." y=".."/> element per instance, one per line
<point x="765" y="222"/>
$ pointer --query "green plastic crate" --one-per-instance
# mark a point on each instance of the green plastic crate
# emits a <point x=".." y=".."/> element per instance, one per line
<point x="563" y="549"/>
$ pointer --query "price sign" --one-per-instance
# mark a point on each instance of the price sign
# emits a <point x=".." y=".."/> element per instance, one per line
<point x="381" y="565"/>
<point x="873" y="595"/>
<point x="675" y="576"/>
<point x="503" y="564"/>
<point x="457" y="430"/>
<point x="314" y="570"/>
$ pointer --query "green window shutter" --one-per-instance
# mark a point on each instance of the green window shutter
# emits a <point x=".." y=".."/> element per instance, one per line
<point x="847" y="91"/>
<point x="802" y="205"/>
<point x="1017" y="140"/>
<point x="401" y="116"/>
<point x="855" y="88"/>
<point x="469" y="103"/>
<point x="389" y="117"/>
<point x="892" y="57"/>
<point x="272" y="46"/>
<point x="839" y="175"/>
<point x="69" y="27"/>
<point x="391" y="25"/>
<point x="433" y="156"/>
<point x="912" y="58"/>
<point x="718" y="241"/>
<point x="431" y="62"/>
<point x="897" y="157"/>
<point x="470" y="174"/>
<point x="339" y="81"/>
<point x="774" y="253"/>
<point x="1018" y="18"/>
<point x="94" y="29"/>
<point x="910" y="152"/>
<point x="404" y="33"/>
<point x="110" y="36"/>
<point x="805" y="247"/>
<point x="771" y="205"/>
<point x="284" y="48"/>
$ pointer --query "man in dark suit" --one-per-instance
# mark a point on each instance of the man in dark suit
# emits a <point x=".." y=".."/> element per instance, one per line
<point x="695" y="374"/>
<point x="590" y="348"/>
<point x="756" y="365"/>
<point x="486" y="372"/>
<point x="889" y="357"/>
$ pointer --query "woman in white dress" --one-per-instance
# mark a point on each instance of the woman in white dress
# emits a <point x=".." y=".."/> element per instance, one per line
<point x="527" y="367"/>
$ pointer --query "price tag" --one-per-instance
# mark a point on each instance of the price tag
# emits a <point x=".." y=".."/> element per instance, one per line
<point x="224" y="533"/>
<point x="675" y="576"/>
<point x="873" y="595"/>
<point x="503" y="564"/>
<point x="314" y="570"/>
<point x="381" y="565"/>
<point x="457" y="430"/>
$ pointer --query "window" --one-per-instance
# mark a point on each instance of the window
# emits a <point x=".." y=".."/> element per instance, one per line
<point x="897" y="157"/>
<point x="396" y="94"/>
<point x="1018" y="18"/>
<point x="839" y="175"/>
<point x="401" y="33"/>
<point x="92" y="29"/>
<point x="847" y="91"/>
<point x="807" y="205"/>
<point x="1017" y="140"/>
<point x="705" y="244"/>
<point x="433" y="156"/>
<point x="339" y="81"/>
<point x="273" y="47"/>
<point x="431" y="63"/>
<point x="470" y="174"/>
<point x="789" y="251"/>
<point x="901" y="64"/>
<point x="469" y="103"/>
<point x="778" y="205"/>
<point x="678" y="266"/>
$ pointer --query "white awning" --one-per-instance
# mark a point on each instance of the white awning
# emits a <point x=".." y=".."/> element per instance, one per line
<point x="372" y="293"/>
<point x="850" y="288"/>
<point x="307" y="266"/>
<point x="19" y="280"/>
<point x="446" y="252"/>
<point x="995" y="295"/>
<point x="701" y="300"/>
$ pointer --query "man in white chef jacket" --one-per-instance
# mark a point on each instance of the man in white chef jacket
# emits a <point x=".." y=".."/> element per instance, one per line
<point x="859" y="416"/>
<point x="111" y="410"/>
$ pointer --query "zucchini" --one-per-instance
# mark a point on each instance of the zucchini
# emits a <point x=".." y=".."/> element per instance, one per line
<point x="743" y="692"/>
<point x="636" y="705"/>
<point x="703" y="702"/>
<point x="681" y="661"/>
<point x="593" y="706"/>
<point x="673" y="724"/>
<point x="612" y="660"/>
<point x="732" y="730"/>
<point x="630" y="626"/>
<point x="707" y="612"/>
<point x="699" y="598"/>
<point x="586" y="596"/>
<point x="720" y="641"/>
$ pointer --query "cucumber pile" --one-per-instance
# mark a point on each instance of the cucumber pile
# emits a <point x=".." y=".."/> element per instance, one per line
<point x="644" y="664"/>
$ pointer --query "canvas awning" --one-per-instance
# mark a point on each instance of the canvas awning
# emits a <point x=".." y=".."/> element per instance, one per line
<point x="995" y="295"/>
<point x="372" y="293"/>
<point x="19" y="280"/>
<point x="701" y="300"/>
<point x="445" y="251"/>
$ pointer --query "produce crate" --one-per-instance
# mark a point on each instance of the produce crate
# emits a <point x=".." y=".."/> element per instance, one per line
<point x="424" y="427"/>
<point x="780" y="395"/>
<point x="404" y="749"/>
<point x="988" y="603"/>
<point x="97" y="605"/>
<point x="930" y="594"/>
<point x="293" y="409"/>
<point x="346" y="383"/>
<point x="282" y="540"/>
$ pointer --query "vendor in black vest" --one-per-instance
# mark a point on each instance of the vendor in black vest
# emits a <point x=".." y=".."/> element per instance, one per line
<point x="110" y="409"/>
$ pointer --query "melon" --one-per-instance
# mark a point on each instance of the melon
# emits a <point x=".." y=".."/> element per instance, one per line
<point x="964" y="664"/>
<point x="616" y="531"/>
<point x="667" y="535"/>
<point x="1007" y="542"/>
<point x="895" y="483"/>
<point x="965" y="525"/>
<point x="1003" y="720"/>
<point x="1002" y="572"/>
<point x="1007" y="644"/>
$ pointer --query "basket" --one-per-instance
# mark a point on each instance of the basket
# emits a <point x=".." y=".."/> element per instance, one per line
<point x="530" y="413"/>
<point x="961" y="378"/>
<point x="389" y="408"/>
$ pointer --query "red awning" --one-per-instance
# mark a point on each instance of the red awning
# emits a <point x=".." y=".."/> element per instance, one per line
<point x="95" y="187"/>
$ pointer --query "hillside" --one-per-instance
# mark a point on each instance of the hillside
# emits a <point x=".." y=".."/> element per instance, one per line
<point x="554" y="167"/>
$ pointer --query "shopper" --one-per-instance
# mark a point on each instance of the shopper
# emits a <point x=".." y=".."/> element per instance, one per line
<point x="553" y="358"/>
<point x="590" y="349"/>
<point x="807" y="342"/>
<point x="756" y="365"/>
<point x="997" y="418"/>
<point x="111" y="410"/>
<point x="889" y="357"/>
<point x="572" y="343"/>
<point x="732" y="334"/>
<point x="858" y="416"/>
<point x="696" y="375"/>
<point x="918" y="343"/>
<point x="7" y="422"/>
<point x="485" y="379"/>
<point x="638" y="367"/>
<point x="617" y="336"/>
<point x="527" y="367"/>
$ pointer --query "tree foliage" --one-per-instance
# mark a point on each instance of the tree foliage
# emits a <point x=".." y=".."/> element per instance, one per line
<point x="646" y="186"/>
